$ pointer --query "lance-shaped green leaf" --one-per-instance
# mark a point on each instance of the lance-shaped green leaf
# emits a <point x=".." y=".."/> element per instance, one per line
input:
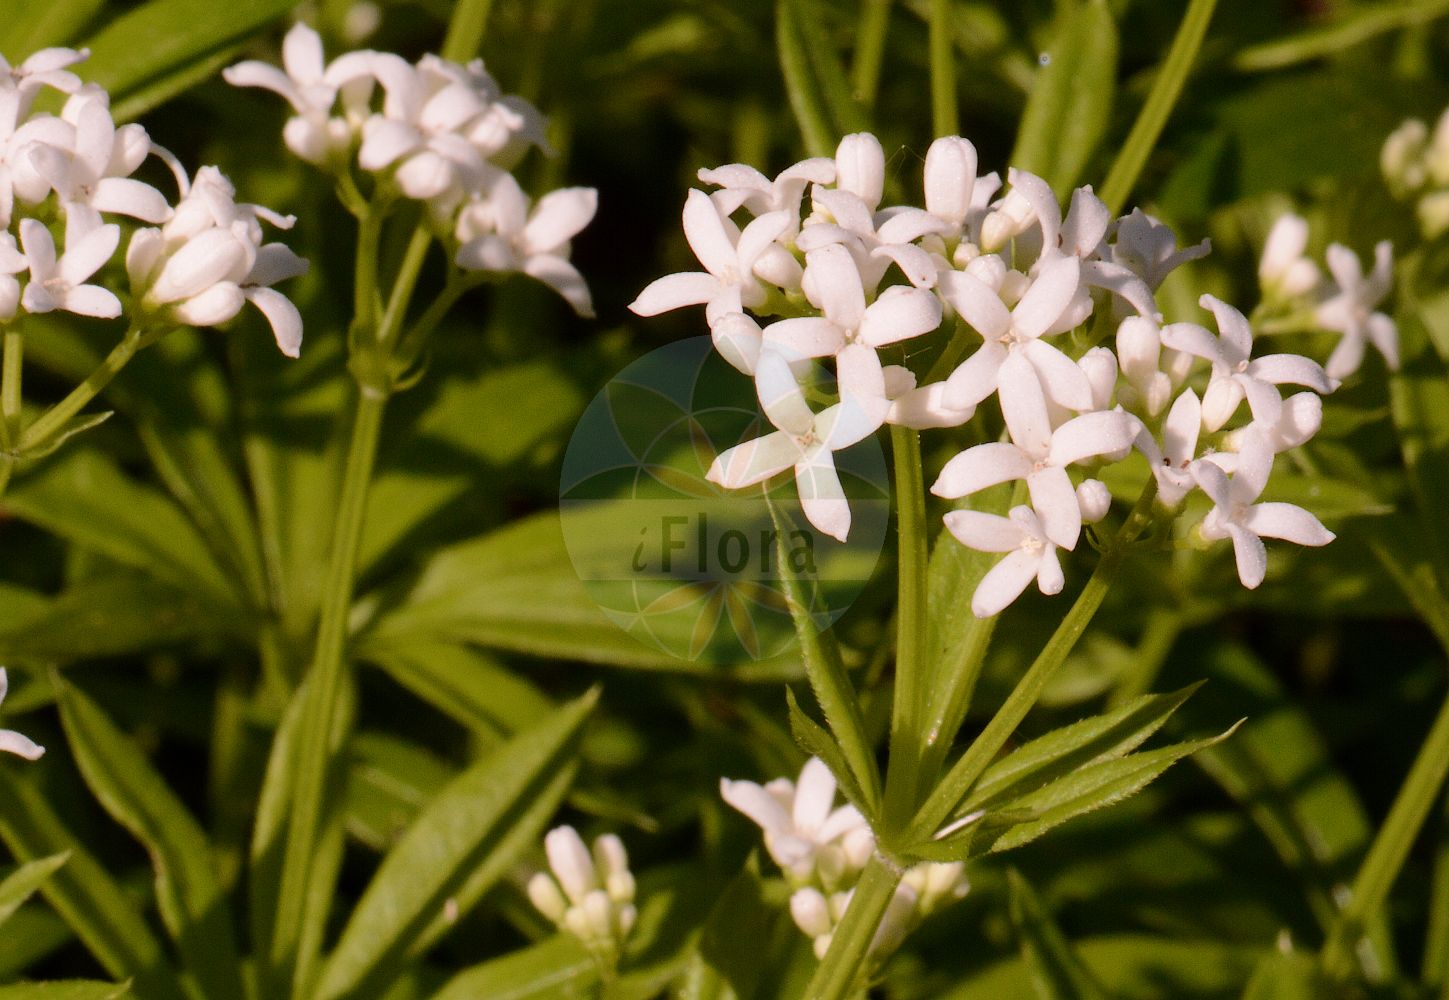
<point x="550" y="970"/>
<point x="1290" y="976"/>
<point x="31" y="25"/>
<point x="972" y="836"/>
<point x="85" y="498"/>
<point x="84" y="893"/>
<point x="1062" y="751"/>
<point x="1071" y="100"/>
<point x="829" y="71"/>
<point x="1095" y="786"/>
<point x="22" y="883"/>
<point x="828" y="679"/>
<point x="1056" y="972"/>
<point x="66" y="989"/>
<point x="817" y="742"/>
<point x="459" y="845"/>
<point x="68" y="430"/>
<point x="803" y="89"/>
<point x="188" y="893"/>
<point x="164" y="38"/>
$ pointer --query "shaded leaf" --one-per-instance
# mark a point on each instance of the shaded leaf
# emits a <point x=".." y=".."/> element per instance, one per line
<point x="1056" y="971"/>
<point x="22" y="883"/>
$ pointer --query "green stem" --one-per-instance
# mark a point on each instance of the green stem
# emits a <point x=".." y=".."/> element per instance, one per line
<point x="466" y="29"/>
<point x="364" y="276"/>
<point x="1390" y="847"/>
<point x="459" y="284"/>
<point x="1436" y="942"/>
<point x="323" y="696"/>
<point x="390" y="329"/>
<point x="960" y="779"/>
<point x="944" y="117"/>
<point x="839" y="971"/>
<point x="1153" y="117"/>
<point x="870" y="38"/>
<point x="54" y="419"/>
<point x="10" y="386"/>
<point x="903" y="774"/>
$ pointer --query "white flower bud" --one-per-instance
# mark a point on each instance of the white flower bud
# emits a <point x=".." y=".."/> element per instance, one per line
<point x="599" y="912"/>
<point x="1094" y="499"/>
<point x="1433" y="213"/>
<point x="1402" y="158"/>
<point x="950" y="175"/>
<point x="1100" y="366"/>
<point x="860" y="167"/>
<point x="1008" y="220"/>
<point x="547" y="898"/>
<point x="811" y="913"/>
<point x="571" y="862"/>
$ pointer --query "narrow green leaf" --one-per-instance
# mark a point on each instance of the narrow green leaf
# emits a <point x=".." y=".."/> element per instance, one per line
<point x="973" y="839"/>
<point x="466" y="29"/>
<point x="806" y="100"/>
<point x="519" y="589"/>
<point x="163" y="37"/>
<point x="469" y="685"/>
<point x="68" y="989"/>
<point x="1171" y="78"/>
<point x="22" y="883"/>
<point x="1058" y="753"/>
<point x="461" y="843"/>
<point x="552" y="970"/>
<point x="828" y="679"/>
<point x="1290" y="976"/>
<point x="84" y="894"/>
<point x="1071" y="100"/>
<point x="31" y="25"/>
<point x="68" y="430"/>
<point x="188" y="894"/>
<point x="87" y="499"/>
<point x="1352" y="26"/>
<point x="817" y="742"/>
<point x="845" y="111"/>
<point x="1056" y="972"/>
<point x="389" y="781"/>
<point x="956" y="640"/>
<point x="738" y="935"/>
<point x="1096" y="786"/>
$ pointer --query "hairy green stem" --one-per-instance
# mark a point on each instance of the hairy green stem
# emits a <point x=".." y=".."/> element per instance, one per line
<point x="390" y="329"/>
<point x="870" y="38"/>
<point x="1165" y="91"/>
<point x="944" y="116"/>
<point x="978" y="756"/>
<point x="1390" y="847"/>
<point x="903" y="773"/>
<point x="839" y="971"/>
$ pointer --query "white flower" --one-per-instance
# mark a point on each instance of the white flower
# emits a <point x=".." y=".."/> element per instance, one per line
<point x="743" y="186"/>
<point x="805" y="440"/>
<point x="1039" y="313"/>
<point x="498" y="232"/>
<point x="1350" y="310"/>
<point x="311" y="87"/>
<point x="20" y="84"/>
<point x="91" y="174"/>
<point x="812" y="840"/>
<point x="1172" y="462"/>
<point x="920" y="407"/>
<point x="1031" y="554"/>
<point x="1235" y="373"/>
<point x="1139" y="355"/>
<point x="12" y="262"/>
<point x="850" y="330"/>
<point x="1037" y="453"/>
<point x="61" y="283"/>
<point x="589" y="895"/>
<point x="729" y="256"/>
<point x="1235" y="515"/>
<point x="874" y="240"/>
<point x="209" y="260"/>
<point x="1402" y="158"/>
<point x="1284" y="271"/>
<point x="13" y="742"/>
<point x="1148" y="248"/>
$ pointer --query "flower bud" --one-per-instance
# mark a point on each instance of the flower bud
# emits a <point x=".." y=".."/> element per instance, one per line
<point x="1094" y="499"/>
<point x="571" y="863"/>
<point x="950" y="175"/>
<point x="860" y="165"/>
<point x="1401" y="158"/>
<point x="810" y="912"/>
<point x="547" y="898"/>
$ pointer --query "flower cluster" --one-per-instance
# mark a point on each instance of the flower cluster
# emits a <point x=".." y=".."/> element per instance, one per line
<point x="1345" y="303"/>
<point x="1056" y="315"/>
<point x="1415" y="163"/>
<point x="822" y="851"/>
<point x="204" y="262"/>
<point x="588" y="895"/>
<point x="11" y="741"/>
<point x="437" y="132"/>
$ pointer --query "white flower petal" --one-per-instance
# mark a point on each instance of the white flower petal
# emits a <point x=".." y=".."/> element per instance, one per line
<point x="1004" y="582"/>
<point x="832" y="281"/>
<point x="1048" y="297"/>
<point x="821" y="496"/>
<point x="899" y="314"/>
<point x="976" y="303"/>
<point x="675" y="291"/>
<point x="780" y="395"/>
<point x="984" y="532"/>
<point x="705" y="229"/>
<point x="1024" y="406"/>
<point x="804" y="337"/>
<point x="558" y="274"/>
<point x="754" y="461"/>
<point x="558" y="218"/>
<point x="1054" y="499"/>
<point x="982" y="466"/>
<point x="1288" y="522"/>
<point x="282" y="315"/>
<point x="1251" y="556"/>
